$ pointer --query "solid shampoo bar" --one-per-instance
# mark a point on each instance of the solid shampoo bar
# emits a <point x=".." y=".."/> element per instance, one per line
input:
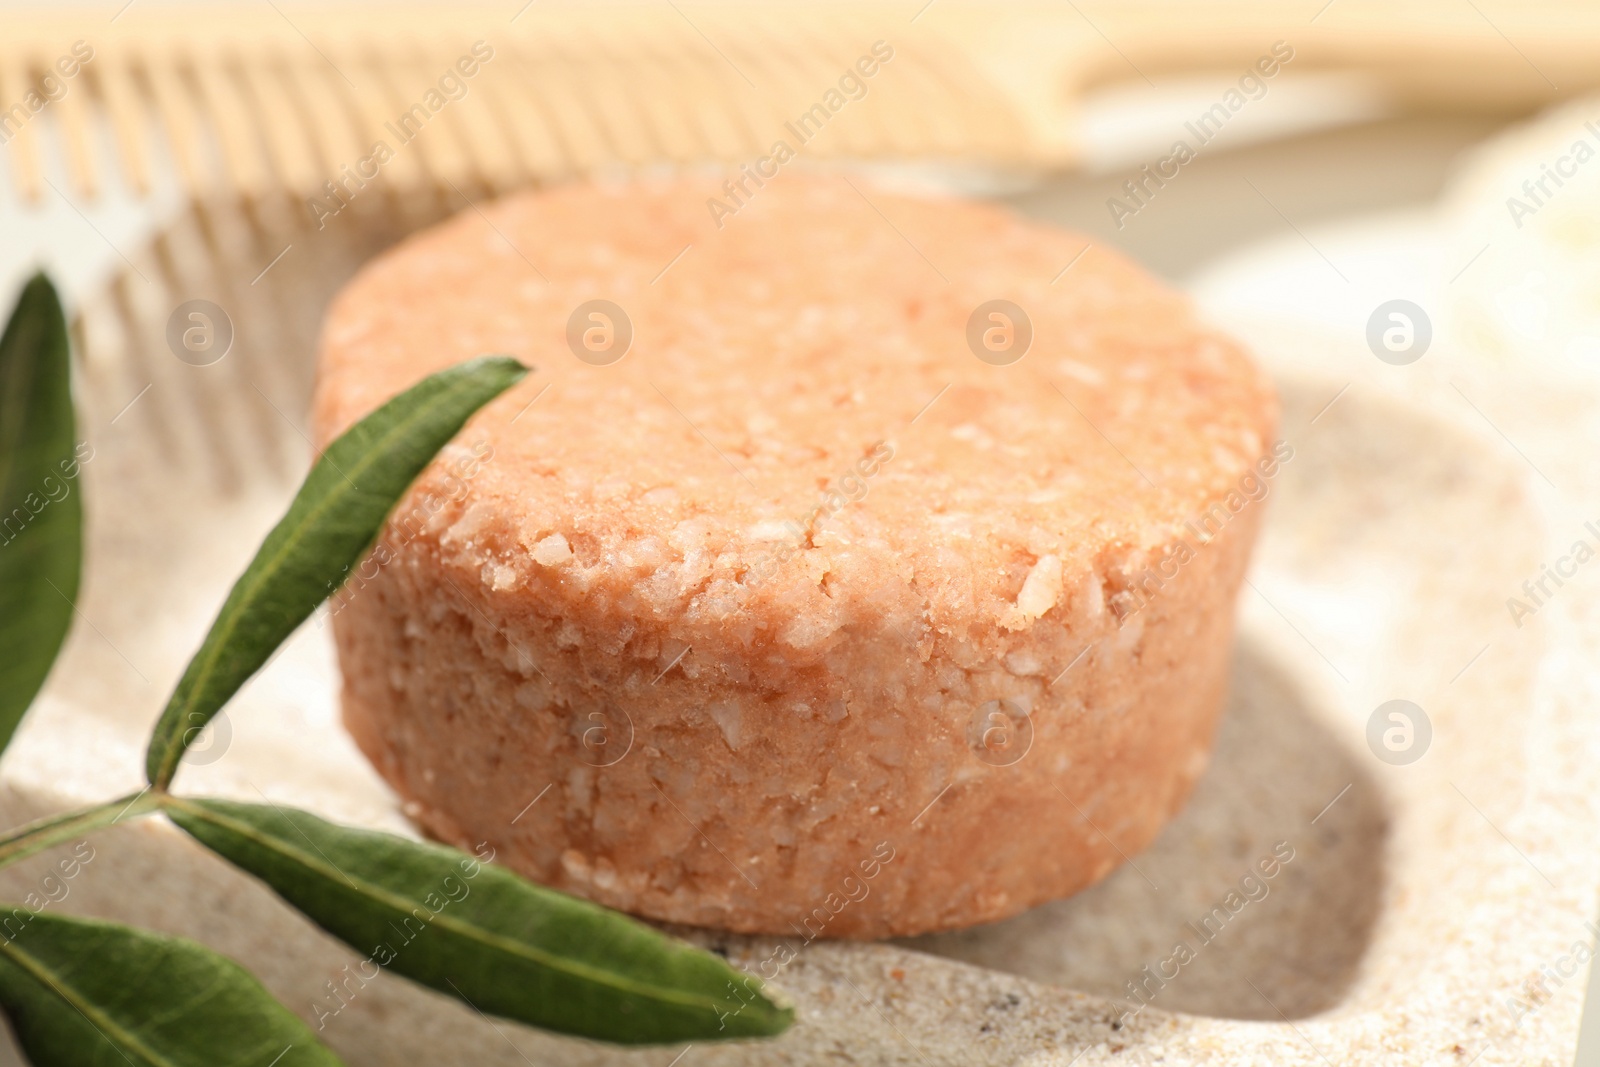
<point x="785" y="597"/>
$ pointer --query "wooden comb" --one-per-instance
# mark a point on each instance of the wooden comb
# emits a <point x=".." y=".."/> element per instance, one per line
<point x="282" y="99"/>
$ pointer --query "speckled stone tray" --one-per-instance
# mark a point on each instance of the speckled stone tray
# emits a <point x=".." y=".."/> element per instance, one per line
<point x="1423" y="904"/>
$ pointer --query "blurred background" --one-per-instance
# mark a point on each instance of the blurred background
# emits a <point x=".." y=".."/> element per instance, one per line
<point x="1327" y="108"/>
<point x="1303" y="167"/>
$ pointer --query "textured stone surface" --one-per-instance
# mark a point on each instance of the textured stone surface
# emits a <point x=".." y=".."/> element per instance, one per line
<point x="1414" y="925"/>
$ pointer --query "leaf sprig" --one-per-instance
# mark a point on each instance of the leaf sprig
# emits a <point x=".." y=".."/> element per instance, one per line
<point x="83" y="991"/>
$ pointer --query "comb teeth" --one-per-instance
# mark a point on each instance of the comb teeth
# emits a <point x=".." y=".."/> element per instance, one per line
<point x="252" y="106"/>
<point x="283" y="99"/>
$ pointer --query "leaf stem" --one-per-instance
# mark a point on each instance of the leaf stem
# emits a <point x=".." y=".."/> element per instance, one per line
<point x="55" y="829"/>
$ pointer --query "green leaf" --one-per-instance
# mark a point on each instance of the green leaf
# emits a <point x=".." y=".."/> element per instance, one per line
<point x="333" y="520"/>
<point x="480" y="933"/>
<point x="55" y="829"/>
<point x="95" y="994"/>
<point x="41" y="508"/>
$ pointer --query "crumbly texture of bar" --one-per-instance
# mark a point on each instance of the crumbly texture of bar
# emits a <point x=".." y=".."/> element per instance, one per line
<point x="708" y="633"/>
